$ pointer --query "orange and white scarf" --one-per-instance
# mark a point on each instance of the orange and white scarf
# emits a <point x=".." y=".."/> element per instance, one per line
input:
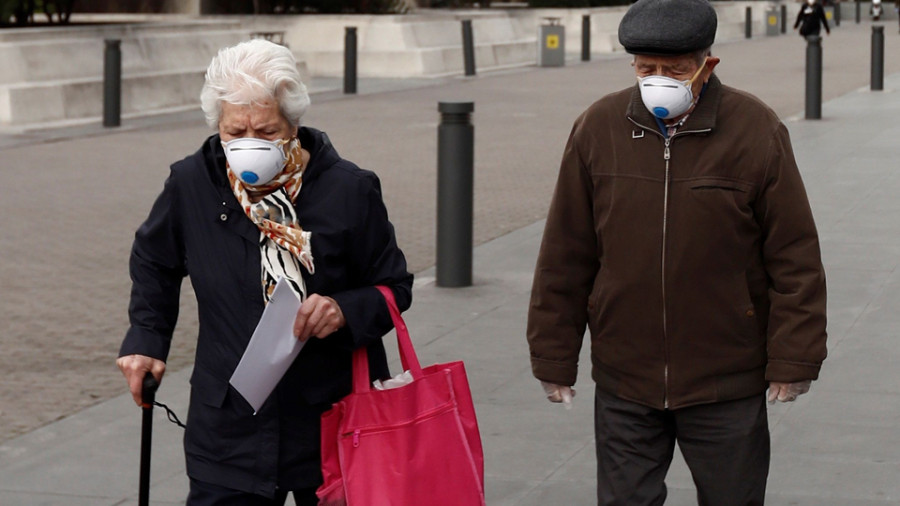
<point x="284" y="245"/>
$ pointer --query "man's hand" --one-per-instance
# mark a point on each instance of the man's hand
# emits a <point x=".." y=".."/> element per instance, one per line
<point x="135" y="367"/>
<point x="318" y="316"/>
<point x="787" y="392"/>
<point x="559" y="393"/>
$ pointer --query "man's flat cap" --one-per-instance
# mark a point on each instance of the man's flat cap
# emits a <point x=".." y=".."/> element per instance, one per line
<point x="668" y="27"/>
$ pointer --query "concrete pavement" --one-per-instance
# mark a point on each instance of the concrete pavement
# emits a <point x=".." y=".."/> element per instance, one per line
<point x="836" y="446"/>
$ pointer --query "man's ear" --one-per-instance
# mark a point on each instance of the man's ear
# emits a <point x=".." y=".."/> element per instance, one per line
<point x="710" y="65"/>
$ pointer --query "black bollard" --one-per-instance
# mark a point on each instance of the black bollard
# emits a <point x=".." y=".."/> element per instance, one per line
<point x="837" y="14"/>
<point x="877" y="58"/>
<point x="112" y="83"/>
<point x="468" y="47"/>
<point x="857" y="11"/>
<point x="456" y="159"/>
<point x="748" y="23"/>
<point x="350" y="60"/>
<point x="814" y="77"/>
<point x="586" y="37"/>
<point x="783" y="18"/>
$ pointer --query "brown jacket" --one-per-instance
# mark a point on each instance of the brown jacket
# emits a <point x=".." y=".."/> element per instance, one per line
<point x="694" y="260"/>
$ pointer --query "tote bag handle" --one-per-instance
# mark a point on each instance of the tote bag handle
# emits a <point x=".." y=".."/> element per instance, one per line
<point x="408" y="357"/>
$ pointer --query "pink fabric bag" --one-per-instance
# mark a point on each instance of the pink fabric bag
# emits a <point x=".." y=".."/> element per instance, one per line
<point x="412" y="445"/>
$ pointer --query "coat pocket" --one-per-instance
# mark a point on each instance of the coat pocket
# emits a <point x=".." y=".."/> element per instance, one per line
<point x="212" y="390"/>
<point x="720" y="183"/>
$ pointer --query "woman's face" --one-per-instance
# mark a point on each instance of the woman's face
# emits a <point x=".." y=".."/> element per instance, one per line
<point x="259" y="121"/>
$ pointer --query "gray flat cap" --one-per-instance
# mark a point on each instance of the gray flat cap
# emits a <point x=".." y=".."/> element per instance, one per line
<point x="668" y="27"/>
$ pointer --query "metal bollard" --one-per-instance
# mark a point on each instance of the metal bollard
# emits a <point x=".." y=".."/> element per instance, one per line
<point x="350" y="60"/>
<point x="112" y="83"/>
<point x="456" y="159"/>
<point x="748" y="23"/>
<point x="877" y="58"/>
<point x="586" y="37"/>
<point x="468" y="47"/>
<point x="783" y="18"/>
<point x="857" y="11"/>
<point x="837" y="14"/>
<point x="814" y="77"/>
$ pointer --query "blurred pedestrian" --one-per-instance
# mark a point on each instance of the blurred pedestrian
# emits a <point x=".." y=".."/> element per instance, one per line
<point x="263" y="199"/>
<point x="811" y="19"/>
<point x="681" y="236"/>
<point x="897" y="8"/>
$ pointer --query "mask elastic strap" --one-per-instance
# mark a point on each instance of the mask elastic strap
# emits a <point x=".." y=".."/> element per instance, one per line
<point x="697" y="74"/>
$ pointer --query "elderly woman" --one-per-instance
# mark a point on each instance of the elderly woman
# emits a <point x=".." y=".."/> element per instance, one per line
<point x="261" y="200"/>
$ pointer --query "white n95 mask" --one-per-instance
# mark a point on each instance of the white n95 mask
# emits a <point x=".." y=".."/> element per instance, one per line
<point x="255" y="161"/>
<point x="665" y="97"/>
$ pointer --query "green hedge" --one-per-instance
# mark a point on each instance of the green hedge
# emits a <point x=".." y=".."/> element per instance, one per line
<point x="24" y="12"/>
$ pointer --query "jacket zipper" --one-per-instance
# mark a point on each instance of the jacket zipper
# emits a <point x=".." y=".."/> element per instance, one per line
<point x="666" y="156"/>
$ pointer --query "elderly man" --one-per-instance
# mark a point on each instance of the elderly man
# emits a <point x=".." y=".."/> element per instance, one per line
<point x="680" y="233"/>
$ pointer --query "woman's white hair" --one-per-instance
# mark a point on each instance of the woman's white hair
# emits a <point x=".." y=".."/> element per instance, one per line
<point x="252" y="72"/>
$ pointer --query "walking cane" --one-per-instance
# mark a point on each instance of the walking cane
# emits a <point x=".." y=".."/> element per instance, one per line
<point x="148" y="396"/>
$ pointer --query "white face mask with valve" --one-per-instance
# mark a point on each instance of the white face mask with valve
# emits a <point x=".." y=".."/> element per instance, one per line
<point x="255" y="161"/>
<point x="667" y="98"/>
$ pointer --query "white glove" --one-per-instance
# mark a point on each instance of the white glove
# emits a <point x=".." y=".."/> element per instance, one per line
<point x="787" y="392"/>
<point x="559" y="393"/>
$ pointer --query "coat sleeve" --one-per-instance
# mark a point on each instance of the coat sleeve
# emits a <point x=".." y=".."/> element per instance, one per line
<point x="157" y="268"/>
<point x="376" y="260"/>
<point x="790" y="248"/>
<point x="567" y="264"/>
<point x="824" y="19"/>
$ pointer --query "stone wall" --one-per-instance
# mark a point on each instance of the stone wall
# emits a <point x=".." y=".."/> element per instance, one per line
<point x="54" y="76"/>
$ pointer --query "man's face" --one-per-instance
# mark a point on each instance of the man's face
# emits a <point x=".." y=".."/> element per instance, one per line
<point x="681" y="68"/>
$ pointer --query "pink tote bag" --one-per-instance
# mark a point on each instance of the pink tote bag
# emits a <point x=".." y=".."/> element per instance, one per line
<point x="413" y="445"/>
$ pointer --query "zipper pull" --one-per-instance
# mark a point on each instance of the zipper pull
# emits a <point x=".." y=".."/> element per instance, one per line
<point x="666" y="153"/>
<point x="356" y="438"/>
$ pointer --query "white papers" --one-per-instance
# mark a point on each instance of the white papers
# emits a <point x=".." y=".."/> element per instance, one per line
<point x="272" y="348"/>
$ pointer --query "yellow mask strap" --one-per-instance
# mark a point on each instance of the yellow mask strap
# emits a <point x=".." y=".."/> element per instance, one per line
<point x="697" y="74"/>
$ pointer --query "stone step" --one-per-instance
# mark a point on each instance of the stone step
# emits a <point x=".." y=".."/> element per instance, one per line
<point x="80" y="99"/>
<point x="74" y="58"/>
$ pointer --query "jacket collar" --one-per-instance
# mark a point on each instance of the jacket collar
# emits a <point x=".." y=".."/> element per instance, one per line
<point x="702" y="118"/>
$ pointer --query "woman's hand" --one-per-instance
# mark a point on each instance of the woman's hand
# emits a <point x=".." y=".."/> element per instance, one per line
<point x="135" y="367"/>
<point x="318" y="316"/>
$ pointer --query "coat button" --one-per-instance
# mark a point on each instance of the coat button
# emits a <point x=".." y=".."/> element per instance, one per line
<point x="223" y="217"/>
<point x="750" y="313"/>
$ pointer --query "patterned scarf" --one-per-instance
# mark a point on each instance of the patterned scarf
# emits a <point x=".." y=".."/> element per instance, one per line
<point x="284" y="246"/>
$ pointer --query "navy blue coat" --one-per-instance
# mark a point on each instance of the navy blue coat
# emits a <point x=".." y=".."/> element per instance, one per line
<point x="196" y="228"/>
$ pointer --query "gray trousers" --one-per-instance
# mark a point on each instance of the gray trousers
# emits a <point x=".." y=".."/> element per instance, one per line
<point x="725" y="445"/>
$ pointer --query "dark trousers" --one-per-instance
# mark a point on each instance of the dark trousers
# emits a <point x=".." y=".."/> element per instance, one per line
<point x="206" y="494"/>
<point x="725" y="445"/>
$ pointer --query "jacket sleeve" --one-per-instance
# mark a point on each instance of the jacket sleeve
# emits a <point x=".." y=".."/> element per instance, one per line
<point x="157" y="268"/>
<point x="566" y="267"/>
<point x="799" y="18"/>
<point x="376" y="260"/>
<point x="790" y="248"/>
<point x="824" y="19"/>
